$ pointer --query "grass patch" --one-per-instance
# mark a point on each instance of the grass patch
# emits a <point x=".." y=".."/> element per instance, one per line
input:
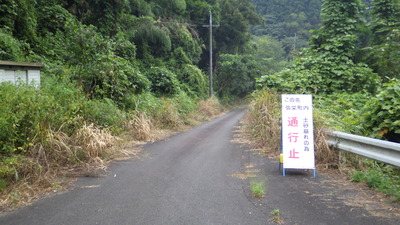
<point x="386" y="180"/>
<point x="276" y="216"/>
<point x="258" y="188"/>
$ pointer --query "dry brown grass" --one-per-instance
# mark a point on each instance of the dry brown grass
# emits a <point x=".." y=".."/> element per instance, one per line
<point x="46" y="168"/>
<point x="141" y="127"/>
<point x="262" y="124"/>
<point x="208" y="108"/>
<point x="326" y="157"/>
<point x="92" y="141"/>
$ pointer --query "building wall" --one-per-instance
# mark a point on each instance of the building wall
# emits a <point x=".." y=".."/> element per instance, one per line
<point x="16" y="76"/>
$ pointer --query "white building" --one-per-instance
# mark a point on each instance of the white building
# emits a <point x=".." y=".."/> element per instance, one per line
<point x="17" y="72"/>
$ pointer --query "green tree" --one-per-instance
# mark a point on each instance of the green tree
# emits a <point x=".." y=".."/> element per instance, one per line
<point x="236" y="17"/>
<point x="236" y="75"/>
<point x="163" y="81"/>
<point x="288" y="20"/>
<point x="382" y="53"/>
<point x="269" y="53"/>
<point x="105" y="14"/>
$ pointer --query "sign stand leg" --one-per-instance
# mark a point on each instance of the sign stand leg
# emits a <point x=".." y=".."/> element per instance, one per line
<point x="283" y="171"/>
<point x="315" y="172"/>
<point x="281" y="152"/>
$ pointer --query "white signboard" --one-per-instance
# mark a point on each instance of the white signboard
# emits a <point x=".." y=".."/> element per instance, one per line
<point x="297" y="132"/>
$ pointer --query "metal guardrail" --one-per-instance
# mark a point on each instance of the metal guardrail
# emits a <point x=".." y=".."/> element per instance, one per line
<point x="383" y="151"/>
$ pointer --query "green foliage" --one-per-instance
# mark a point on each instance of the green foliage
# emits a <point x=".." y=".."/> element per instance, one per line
<point x="319" y="74"/>
<point x="105" y="114"/>
<point x="52" y="18"/>
<point x="193" y="81"/>
<point x="25" y="22"/>
<point x="383" y="178"/>
<point x="3" y="184"/>
<point x="169" y="7"/>
<point x="269" y="53"/>
<point x="382" y="51"/>
<point x="341" y="111"/>
<point x="25" y="117"/>
<point x="236" y="75"/>
<point x="328" y="65"/>
<point x="140" y="8"/>
<point x="124" y="48"/>
<point x="163" y="81"/>
<point x="185" y="44"/>
<point x="101" y="73"/>
<point x="151" y="38"/>
<point x="143" y="102"/>
<point x="236" y="18"/>
<point x="288" y="21"/>
<point x="105" y="14"/>
<point x="69" y="101"/>
<point x="185" y="104"/>
<point x="382" y="113"/>
<point x="8" y="12"/>
<point x="10" y="48"/>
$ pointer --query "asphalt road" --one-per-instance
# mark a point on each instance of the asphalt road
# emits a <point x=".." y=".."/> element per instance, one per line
<point x="196" y="177"/>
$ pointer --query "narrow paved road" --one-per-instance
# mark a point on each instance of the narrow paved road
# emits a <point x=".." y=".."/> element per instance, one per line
<point x="193" y="178"/>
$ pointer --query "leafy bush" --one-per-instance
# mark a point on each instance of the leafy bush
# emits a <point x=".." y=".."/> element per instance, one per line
<point x="322" y="74"/>
<point x="163" y="81"/>
<point x="341" y="111"/>
<point x="25" y="115"/>
<point x="382" y="113"/>
<point x="104" y="113"/>
<point x="236" y="75"/>
<point x="151" y="39"/>
<point x="385" y="179"/>
<point x="194" y="82"/>
<point x="69" y="101"/>
<point x="143" y="102"/>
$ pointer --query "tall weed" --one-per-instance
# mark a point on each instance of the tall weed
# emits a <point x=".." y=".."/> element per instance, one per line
<point x="263" y="121"/>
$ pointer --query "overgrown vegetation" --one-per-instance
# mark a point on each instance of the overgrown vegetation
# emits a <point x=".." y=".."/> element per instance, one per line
<point x="114" y="71"/>
<point x="349" y="69"/>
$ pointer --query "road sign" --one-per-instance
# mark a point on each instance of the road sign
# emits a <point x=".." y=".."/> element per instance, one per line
<point x="297" y="132"/>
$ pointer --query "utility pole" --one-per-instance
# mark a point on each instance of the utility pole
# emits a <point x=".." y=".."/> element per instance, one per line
<point x="211" y="53"/>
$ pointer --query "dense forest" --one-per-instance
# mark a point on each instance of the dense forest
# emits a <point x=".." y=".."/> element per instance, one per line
<point x="288" y="21"/>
